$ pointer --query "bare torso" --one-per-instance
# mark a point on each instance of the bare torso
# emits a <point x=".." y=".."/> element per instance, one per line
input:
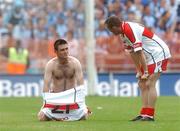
<point x="63" y="76"/>
<point x="60" y="76"/>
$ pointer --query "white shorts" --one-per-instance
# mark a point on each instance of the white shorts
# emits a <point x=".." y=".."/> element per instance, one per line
<point x="66" y="106"/>
<point x="157" y="67"/>
<point x="66" y="115"/>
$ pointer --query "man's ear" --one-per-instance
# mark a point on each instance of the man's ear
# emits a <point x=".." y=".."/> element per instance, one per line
<point x="113" y="27"/>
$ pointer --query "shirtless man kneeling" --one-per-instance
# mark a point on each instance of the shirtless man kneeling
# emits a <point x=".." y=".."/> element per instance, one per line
<point x="63" y="91"/>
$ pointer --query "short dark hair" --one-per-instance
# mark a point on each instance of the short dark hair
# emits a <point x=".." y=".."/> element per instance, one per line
<point x="59" y="42"/>
<point x="113" y="21"/>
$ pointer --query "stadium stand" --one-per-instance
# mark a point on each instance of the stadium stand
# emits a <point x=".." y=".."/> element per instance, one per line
<point x="37" y="23"/>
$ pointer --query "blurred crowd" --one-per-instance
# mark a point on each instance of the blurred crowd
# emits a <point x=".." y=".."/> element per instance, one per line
<point x="34" y="25"/>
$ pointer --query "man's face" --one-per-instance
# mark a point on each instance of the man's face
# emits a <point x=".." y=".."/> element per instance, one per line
<point x="63" y="51"/>
<point x="115" y="30"/>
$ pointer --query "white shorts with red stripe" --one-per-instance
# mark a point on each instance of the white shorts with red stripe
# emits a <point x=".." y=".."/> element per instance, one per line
<point x="65" y="106"/>
<point x="157" y="67"/>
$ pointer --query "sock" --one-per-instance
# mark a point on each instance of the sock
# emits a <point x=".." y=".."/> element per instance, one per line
<point x="150" y="112"/>
<point x="143" y="111"/>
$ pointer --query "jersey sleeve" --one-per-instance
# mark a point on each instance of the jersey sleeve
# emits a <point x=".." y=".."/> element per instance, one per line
<point x="132" y="33"/>
<point x="128" y="48"/>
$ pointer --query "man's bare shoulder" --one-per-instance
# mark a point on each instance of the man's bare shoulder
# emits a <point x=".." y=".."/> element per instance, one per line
<point x="51" y="62"/>
<point x="74" y="59"/>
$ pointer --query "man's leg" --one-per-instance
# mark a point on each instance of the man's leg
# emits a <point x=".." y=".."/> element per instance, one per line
<point x="42" y="116"/>
<point x="85" y="116"/>
<point x="144" y="92"/>
<point x="144" y="98"/>
<point x="152" y="95"/>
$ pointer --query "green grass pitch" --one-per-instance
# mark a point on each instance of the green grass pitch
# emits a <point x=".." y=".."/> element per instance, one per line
<point x="109" y="114"/>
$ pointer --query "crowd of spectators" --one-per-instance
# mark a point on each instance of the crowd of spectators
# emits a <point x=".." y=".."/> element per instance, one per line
<point x="38" y="23"/>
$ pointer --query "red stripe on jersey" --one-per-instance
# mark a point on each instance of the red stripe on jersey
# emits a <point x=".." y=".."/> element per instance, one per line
<point x="62" y="107"/>
<point x="148" y="33"/>
<point x="129" y="33"/>
<point x="136" y="45"/>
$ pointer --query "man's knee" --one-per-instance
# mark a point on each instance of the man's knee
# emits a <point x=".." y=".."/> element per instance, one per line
<point x="42" y="116"/>
<point x="151" y="82"/>
<point x="142" y="85"/>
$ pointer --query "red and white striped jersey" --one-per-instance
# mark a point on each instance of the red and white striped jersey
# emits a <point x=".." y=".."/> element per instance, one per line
<point x="137" y="37"/>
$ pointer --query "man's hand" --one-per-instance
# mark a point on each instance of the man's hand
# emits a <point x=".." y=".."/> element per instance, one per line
<point x="138" y="75"/>
<point x="141" y="76"/>
<point x="145" y="75"/>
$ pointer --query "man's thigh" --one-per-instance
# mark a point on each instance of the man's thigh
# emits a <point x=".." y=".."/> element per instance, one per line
<point x="153" y="78"/>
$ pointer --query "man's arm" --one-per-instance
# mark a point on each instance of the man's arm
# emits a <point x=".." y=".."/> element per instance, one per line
<point x="136" y="61"/>
<point x="140" y="61"/>
<point x="47" y="77"/>
<point x="79" y="74"/>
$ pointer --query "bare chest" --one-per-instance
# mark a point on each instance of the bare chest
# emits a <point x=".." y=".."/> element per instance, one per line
<point x="64" y="71"/>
